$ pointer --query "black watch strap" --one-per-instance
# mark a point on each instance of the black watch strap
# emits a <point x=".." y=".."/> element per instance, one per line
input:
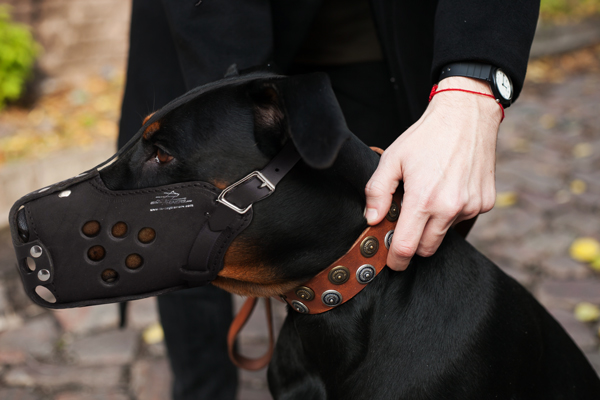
<point x="470" y="70"/>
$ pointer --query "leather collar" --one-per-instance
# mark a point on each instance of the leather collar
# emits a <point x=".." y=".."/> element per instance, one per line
<point x="349" y="274"/>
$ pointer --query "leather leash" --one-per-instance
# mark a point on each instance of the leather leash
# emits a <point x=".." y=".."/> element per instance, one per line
<point x="251" y="364"/>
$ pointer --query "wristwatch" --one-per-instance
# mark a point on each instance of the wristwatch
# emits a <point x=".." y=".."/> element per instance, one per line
<point x="500" y="83"/>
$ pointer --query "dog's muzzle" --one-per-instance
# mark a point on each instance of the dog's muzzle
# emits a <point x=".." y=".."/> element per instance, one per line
<point x="88" y="244"/>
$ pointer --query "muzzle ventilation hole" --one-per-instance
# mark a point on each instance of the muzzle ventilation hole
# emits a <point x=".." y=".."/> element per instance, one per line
<point x="146" y="235"/>
<point x="110" y="276"/>
<point x="134" y="261"/>
<point x="31" y="264"/>
<point x="45" y="294"/>
<point x="91" y="228"/>
<point x="96" y="253"/>
<point x="119" y="229"/>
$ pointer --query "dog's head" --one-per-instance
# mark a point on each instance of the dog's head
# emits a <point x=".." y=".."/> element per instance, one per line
<point x="237" y="127"/>
<point x="88" y="234"/>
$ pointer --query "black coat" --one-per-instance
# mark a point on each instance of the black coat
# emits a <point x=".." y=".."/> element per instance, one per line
<point x="176" y="46"/>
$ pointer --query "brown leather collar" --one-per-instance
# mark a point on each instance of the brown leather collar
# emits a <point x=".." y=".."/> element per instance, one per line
<point x="348" y="275"/>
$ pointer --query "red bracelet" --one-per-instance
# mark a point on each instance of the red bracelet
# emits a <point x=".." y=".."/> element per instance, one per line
<point x="434" y="91"/>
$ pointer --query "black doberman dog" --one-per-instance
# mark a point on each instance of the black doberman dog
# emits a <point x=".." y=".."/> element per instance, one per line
<point x="452" y="326"/>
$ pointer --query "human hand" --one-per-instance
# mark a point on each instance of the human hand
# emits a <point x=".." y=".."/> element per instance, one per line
<point x="447" y="163"/>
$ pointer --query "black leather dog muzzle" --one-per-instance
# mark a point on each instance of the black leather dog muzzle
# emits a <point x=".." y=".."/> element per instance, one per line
<point x="92" y="245"/>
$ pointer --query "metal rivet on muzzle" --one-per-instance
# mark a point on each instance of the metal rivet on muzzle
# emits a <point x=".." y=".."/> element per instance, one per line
<point x="331" y="298"/>
<point x="35" y="251"/>
<point x="64" y="193"/>
<point x="369" y="246"/>
<point x="339" y="275"/>
<point x="43" y="275"/>
<point x="388" y="239"/>
<point x="393" y="213"/>
<point x="365" y="274"/>
<point x="300" y="307"/>
<point x="305" y="293"/>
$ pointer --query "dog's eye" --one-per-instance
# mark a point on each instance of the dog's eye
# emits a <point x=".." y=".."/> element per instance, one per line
<point x="162" y="157"/>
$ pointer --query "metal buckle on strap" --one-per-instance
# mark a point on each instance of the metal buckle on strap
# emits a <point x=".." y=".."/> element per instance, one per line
<point x="256" y="174"/>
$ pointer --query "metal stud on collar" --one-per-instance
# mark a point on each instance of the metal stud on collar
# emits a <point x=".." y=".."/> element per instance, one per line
<point x="300" y="307"/>
<point x="305" y="293"/>
<point x="369" y="246"/>
<point x="331" y="298"/>
<point x="339" y="275"/>
<point x="365" y="273"/>
<point x="388" y="239"/>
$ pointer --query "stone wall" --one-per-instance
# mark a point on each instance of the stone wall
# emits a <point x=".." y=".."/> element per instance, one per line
<point x="79" y="37"/>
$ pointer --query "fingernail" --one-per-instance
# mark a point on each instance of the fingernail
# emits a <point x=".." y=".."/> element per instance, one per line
<point x="371" y="215"/>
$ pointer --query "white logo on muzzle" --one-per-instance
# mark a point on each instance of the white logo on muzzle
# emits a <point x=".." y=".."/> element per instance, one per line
<point x="170" y="201"/>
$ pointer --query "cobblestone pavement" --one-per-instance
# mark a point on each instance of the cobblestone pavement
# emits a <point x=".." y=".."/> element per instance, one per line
<point x="548" y="180"/>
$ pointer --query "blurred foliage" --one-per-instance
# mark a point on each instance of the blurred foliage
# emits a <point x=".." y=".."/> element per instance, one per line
<point x="568" y="10"/>
<point x="18" y="50"/>
<point x="556" y="68"/>
<point x="71" y="118"/>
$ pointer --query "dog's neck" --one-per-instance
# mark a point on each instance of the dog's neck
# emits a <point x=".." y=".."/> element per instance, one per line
<point x="312" y="219"/>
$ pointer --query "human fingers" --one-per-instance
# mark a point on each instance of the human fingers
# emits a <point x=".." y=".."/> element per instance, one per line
<point x="381" y="187"/>
<point x="407" y="235"/>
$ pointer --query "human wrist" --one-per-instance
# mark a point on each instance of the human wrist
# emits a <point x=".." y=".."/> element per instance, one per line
<point x="468" y="95"/>
<point x="462" y="82"/>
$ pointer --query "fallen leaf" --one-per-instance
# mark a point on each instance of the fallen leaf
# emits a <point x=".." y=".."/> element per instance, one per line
<point x="153" y="334"/>
<point x="578" y="186"/>
<point x="506" y="199"/>
<point x="585" y="249"/>
<point x="595" y="264"/>
<point x="582" y="150"/>
<point x="587" y="312"/>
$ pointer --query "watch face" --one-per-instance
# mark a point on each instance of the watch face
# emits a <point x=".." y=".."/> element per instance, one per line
<point x="504" y="85"/>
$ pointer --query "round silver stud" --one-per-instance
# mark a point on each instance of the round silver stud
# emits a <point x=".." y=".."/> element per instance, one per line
<point x="43" y="275"/>
<point x="365" y="274"/>
<point x="64" y="193"/>
<point x="35" y="251"/>
<point x="388" y="239"/>
<point x="339" y="275"/>
<point x="369" y="246"/>
<point x="300" y="307"/>
<point x="305" y="293"/>
<point x="331" y="298"/>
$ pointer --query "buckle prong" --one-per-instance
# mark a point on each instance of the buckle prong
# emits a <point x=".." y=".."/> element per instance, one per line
<point x="256" y="174"/>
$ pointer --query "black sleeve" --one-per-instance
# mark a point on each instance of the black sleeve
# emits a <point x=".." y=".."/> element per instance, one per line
<point x="496" y="32"/>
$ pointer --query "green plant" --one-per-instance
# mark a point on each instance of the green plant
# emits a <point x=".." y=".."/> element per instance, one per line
<point x="18" y="50"/>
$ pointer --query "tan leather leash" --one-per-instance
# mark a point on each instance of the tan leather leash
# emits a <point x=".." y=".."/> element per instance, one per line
<point x="251" y="364"/>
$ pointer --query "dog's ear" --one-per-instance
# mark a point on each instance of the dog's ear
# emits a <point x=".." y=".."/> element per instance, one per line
<point x="304" y="107"/>
<point x="314" y="118"/>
